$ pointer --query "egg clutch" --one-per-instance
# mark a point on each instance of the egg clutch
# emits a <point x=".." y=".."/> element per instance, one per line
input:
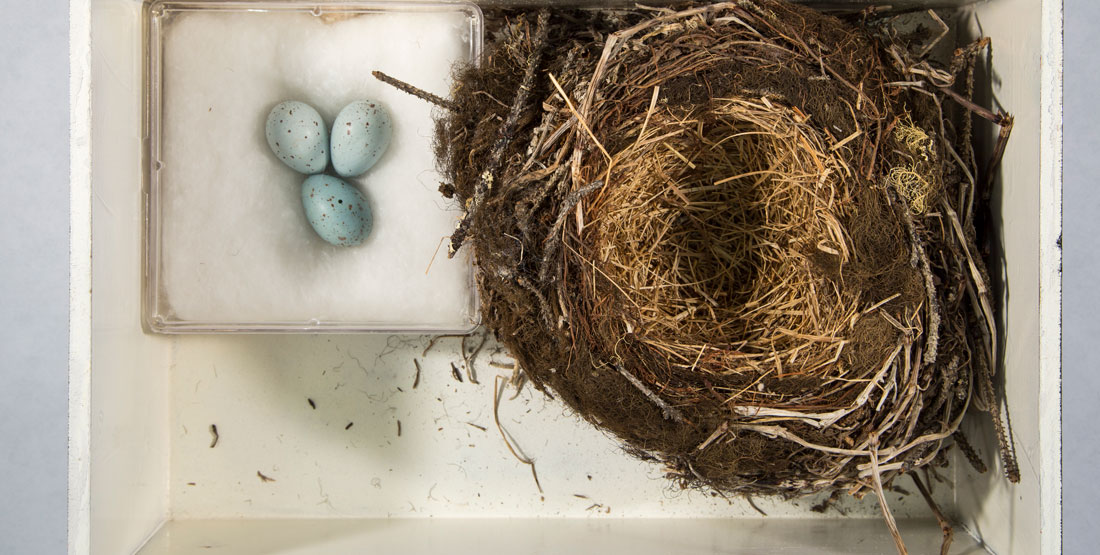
<point x="298" y="136"/>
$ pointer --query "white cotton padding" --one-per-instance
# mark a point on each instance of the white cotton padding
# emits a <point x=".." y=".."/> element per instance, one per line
<point x="235" y="244"/>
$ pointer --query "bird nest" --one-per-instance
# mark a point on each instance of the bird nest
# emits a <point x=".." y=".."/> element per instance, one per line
<point x="739" y="236"/>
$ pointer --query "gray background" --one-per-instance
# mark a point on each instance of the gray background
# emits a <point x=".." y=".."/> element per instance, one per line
<point x="34" y="267"/>
<point x="34" y="276"/>
<point x="1081" y="269"/>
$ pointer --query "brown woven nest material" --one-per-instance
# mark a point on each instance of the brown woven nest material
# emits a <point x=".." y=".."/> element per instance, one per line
<point x="740" y="237"/>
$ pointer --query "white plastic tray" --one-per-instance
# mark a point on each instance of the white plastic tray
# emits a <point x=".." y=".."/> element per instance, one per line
<point x="141" y="404"/>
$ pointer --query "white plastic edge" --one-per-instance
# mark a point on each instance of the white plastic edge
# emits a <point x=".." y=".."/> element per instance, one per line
<point x="80" y="278"/>
<point x="1050" y="278"/>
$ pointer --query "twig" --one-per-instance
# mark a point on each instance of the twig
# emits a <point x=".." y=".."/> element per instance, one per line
<point x="648" y="114"/>
<point x="536" y="197"/>
<point x="471" y="374"/>
<point x="931" y="344"/>
<point x="1002" y="427"/>
<point x="518" y="380"/>
<point x="970" y="105"/>
<point x="985" y="373"/>
<point x="465" y="359"/>
<point x="717" y="433"/>
<point x="945" y="525"/>
<point x="552" y="243"/>
<point x="1006" y="123"/>
<point x="508" y="441"/>
<point x="753" y="505"/>
<point x="886" y="514"/>
<point x="669" y="412"/>
<point x="544" y="306"/>
<point x="969" y="452"/>
<point x="539" y="140"/>
<point x="417" y="92"/>
<point x="432" y="341"/>
<point x="1004" y="120"/>
<point x="979" y="281"/>
<point x="434" y="254"/>
<point x="874" y="150"/>
<point x="944" y="29"/>
<point x="584" y="124"/>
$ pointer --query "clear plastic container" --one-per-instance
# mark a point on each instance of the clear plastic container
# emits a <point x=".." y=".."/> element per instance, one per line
<point x="227" y="244"/>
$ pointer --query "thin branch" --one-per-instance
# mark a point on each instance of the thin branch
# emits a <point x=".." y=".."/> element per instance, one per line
<point x="498" y="387"/>
<point x="931" y="344"/>
<point x="945" y="525"/>
<point x="970" y="454"/>
<point x="669" y="412"/>
<point x="552" y="243"/>
<point x="410" y="89"/>
<point x="886" y="514"/>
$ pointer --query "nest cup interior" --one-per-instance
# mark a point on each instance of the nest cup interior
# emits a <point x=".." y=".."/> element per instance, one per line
<point x="721" y="227"/>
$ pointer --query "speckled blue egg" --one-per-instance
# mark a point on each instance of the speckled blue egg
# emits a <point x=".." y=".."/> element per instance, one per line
<point x="360" y="134"/>
<point x="338" y="212"/>
<point x="298" y="136"/>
